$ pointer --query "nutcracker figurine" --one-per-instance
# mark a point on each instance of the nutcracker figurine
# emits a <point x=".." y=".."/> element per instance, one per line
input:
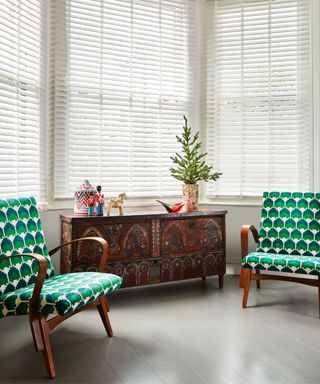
<point x="91" y="203"/>
<point x="100" y="201"/>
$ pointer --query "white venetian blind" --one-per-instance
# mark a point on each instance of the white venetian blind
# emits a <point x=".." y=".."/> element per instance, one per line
<point x="123" y="80"/>
<point x="259" y="95"/>
<point x="22" y="152"/>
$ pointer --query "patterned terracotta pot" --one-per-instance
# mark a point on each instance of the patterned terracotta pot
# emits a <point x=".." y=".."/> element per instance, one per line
<point x="191" y="193"/>
<point x="81" y="196"/>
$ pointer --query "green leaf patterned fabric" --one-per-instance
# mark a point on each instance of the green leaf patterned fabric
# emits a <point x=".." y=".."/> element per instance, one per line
<point x="289" y="234"/>
<point x="61" y="294"/>
<point x="290" y="223"/>
<point x="20" y="232"/>
<point x="308" y="265"/>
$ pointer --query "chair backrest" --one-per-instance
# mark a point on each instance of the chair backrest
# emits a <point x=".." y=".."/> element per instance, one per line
<point x="290" y="223"/>
<point x="20" y="232"/>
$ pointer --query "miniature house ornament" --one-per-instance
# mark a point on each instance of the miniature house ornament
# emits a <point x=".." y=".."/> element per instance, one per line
<point x="81" y="196"/>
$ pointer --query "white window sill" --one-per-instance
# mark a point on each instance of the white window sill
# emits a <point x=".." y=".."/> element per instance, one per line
<point x="244" y="201"/>
<point x="145" y="203"/>
<point x="151" y="204"/>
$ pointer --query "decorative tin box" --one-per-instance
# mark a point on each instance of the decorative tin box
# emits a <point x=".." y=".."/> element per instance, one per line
<point x="81" y="196"/>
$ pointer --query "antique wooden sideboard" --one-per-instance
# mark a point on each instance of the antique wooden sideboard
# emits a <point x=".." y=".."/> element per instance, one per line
<point x="149" y="248"/>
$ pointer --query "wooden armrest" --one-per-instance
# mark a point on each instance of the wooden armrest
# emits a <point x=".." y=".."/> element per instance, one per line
<point x="43" y="266"/>
<point x="103" y="243"/>
<point x="245" y="238"/>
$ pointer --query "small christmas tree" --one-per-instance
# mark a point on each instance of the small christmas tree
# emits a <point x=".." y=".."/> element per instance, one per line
<point x="191" y="165"/>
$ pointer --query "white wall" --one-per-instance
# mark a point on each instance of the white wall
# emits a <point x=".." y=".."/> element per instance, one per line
<point x="51" y="227"/>
<point x="237" y="216"/>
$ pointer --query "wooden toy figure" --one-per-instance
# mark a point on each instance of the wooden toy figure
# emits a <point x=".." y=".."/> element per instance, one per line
<point x="116" y="203"/>
<point x="91" y="203"/>
<point x="100" y="201"/>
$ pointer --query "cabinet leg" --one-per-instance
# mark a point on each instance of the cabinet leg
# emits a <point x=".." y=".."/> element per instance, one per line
<point x="221" y="281"/>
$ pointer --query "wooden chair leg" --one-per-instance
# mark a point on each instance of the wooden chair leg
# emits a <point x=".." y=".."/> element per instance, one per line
<point x="47" y="351"/>
<point x="241" y="282"/>
<point x="246" y="278"/>
<point x="36" y="332"/>
<point x="107" y="304"/>
<point x="103" y="311"/>
<point x="258" y="281"/>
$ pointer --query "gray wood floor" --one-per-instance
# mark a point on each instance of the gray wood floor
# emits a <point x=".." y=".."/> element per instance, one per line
<point x="186" y="332"/>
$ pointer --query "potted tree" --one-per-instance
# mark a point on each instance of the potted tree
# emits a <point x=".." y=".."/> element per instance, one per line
<point x="191" y="166"/>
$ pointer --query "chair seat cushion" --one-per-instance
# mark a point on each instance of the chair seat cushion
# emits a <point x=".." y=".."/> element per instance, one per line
<point x="61" y="294"/>
<point x="307" y="265"/>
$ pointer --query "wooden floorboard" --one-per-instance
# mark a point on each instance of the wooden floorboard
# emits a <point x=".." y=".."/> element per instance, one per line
<point x="183" y="333"/>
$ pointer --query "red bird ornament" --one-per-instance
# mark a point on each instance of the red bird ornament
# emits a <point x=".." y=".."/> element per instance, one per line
<point x="173" y="208"/>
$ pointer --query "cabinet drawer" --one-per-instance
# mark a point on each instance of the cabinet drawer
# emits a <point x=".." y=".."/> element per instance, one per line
<point x="152" y="271"/>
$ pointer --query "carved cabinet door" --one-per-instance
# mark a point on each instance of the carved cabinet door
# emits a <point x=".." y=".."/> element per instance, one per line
<point x="127" y="241"/>
<point x="194" y="236"/>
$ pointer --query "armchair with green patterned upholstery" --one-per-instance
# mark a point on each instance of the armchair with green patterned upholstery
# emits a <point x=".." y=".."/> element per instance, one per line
<point x="29" y="284"/>
<point x="288" y="241"/>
